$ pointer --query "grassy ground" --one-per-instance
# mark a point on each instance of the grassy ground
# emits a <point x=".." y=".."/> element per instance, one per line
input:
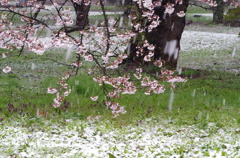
<point x="203" y="122"/>
<point x="207" y="96"/>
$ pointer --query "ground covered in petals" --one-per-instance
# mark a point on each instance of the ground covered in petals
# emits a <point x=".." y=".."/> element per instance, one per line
<point x="151" y="138"/>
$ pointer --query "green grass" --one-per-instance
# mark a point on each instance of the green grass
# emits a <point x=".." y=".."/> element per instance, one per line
<point x="208" y="96"/>
<point x="220" y="60"/>
<point x="194" y="9"/>
<point x="202" y="19"/>
<point x="107" y="8"/>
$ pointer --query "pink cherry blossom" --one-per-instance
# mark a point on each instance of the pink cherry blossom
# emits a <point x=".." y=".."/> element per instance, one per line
<point x="181" y="14"/>
<point x="4" y="55"/>
<point x="51" y="90"/>
<point x="166" y="72"/>
<point x="169" y="8"/>
<point x="57" y="101"/>
<point x="151" y="47"/>
<point x="148" y="92"/>
<point x="139" y="70"/>
<point x="77" y="1"/>
<point x="7" y="69"/>
<point x="179" y="1"/>
<point x="4" y="16"/>
<point x="147" y="58"/>
<point x="67" y="92"/>
<point x="158" y="63"/>
<point x="88" y="57"/>
<point x="89" y="71"/>
<point x="105" y="59"/>
<point x="108" y="103"/>
<point x="77" y="64"/>
<point x="159" y="89"/>
<point x="176" y="79"/>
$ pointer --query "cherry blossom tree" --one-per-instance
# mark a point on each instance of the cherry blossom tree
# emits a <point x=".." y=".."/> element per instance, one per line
<point x="151" y="38"/>
<point x="162" y="28"/>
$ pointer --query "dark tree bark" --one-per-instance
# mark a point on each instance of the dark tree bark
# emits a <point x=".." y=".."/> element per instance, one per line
<point x="168" y="34"/>
<point x="218" y="12"/>
<point x="127" y="6"/>
<point x="81" y="11"/>
<point x="166" y="37"/>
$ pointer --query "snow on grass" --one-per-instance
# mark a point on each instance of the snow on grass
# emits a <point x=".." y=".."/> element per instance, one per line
<point x="204" y="50"/>
<point x="201" y="14"/>
<point x="196" y="40"/>
<point x="84" y="139"/>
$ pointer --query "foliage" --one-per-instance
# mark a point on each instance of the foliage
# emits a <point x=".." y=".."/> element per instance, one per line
<point x="217" y="7"/>
<point x="196" y="9"/>
<point x="232" y="15"/>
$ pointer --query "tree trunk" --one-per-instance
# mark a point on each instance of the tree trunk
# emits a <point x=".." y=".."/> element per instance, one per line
<point x="218" y="12"/>
<point x="81" y="11"/>
<point x="166" y="37"/>
<point x="168" y="34"/>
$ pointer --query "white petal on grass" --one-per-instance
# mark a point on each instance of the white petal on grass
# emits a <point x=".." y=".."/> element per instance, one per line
<point x="216" y="41"/>
<point x="94" y="98"/>
<point x="84" y="139"/>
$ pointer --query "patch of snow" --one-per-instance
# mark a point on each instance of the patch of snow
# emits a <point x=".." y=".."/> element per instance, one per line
<point x="196" y="40"/>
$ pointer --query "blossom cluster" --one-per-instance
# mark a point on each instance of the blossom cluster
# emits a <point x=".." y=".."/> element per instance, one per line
<point x="85" y="2"/>
<point x="7" y="69"/>
<point x="65" y="18"/>
<point x="120" y="84"/>
<point x="61" y="92"/>
<point x="116" y="108"/>
<point x="168" y="76"/>
<point x="145" y="49"/>
<point x="152" y="86"/>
